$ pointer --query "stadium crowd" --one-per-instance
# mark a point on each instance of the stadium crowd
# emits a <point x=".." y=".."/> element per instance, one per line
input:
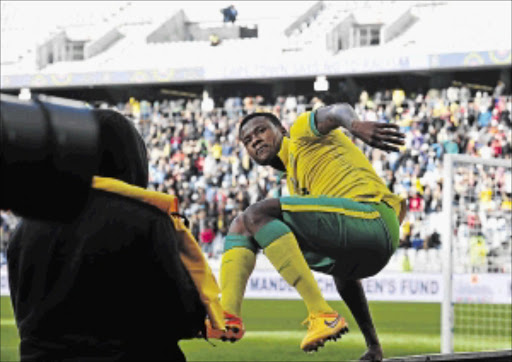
<point x="194" y="153"/>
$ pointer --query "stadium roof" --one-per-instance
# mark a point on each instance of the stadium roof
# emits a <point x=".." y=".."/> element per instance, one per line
<point x="475" y="26"/>
<point x="447" y="35"/>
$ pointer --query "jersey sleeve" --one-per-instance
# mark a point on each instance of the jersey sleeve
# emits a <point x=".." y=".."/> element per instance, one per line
<point x="304" y="127"/>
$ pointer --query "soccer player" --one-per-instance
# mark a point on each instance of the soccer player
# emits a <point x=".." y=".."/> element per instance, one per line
<point x="340" y="219"/>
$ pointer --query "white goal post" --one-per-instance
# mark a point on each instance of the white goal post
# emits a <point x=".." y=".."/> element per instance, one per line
<point x="476" y="242"/>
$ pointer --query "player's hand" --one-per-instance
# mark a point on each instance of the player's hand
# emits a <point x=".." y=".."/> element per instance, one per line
<point x="385" y="136"/>
<point x="374" y="353"/>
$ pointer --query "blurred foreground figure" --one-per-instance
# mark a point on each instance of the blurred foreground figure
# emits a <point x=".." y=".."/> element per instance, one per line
<point x="109" y="284"/>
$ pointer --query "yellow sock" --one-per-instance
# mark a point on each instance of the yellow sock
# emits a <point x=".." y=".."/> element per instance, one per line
<point x="236" y="268"/>
<point x="285" y="255"/>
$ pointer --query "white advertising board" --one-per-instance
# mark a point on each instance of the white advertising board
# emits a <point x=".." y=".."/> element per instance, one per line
<point x="385" y="287"/>
<point x="482" y="288"/>
<point x="397" y="287"/>
<point x="394" y="287"/>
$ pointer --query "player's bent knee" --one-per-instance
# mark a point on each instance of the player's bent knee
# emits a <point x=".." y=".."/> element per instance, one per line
<point x="238" y="226"/>
<point x="261" y="213"/>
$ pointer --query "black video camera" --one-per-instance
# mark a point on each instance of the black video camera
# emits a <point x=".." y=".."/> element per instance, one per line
<point x="48" y="156"/>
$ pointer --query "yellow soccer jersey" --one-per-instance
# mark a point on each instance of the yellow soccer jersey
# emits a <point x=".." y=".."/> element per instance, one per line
<point x="330" y="165"/>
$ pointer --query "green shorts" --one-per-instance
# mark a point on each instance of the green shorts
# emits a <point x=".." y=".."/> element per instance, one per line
<point x="342" y="237"/>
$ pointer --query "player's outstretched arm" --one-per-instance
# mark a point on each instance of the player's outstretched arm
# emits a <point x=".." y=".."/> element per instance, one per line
<point x="351" y="291"/>
<point x="386" y="136"/>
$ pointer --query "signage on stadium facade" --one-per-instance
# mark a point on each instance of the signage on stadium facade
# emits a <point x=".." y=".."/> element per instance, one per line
<point x="472" y="59"/>
<point x="341" y="64"/>
<point x="104" y="78"/>
<point x="354" y="61"/>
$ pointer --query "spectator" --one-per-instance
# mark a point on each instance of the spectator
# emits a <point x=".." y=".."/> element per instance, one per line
<point x="478" y="253"/>
<point x="416" y="203"/>
<point x="214" y="40"/>
<point x="405" y="233"/>
<point x="230" y="14"/>
<point x="206" y="236"/>
<point x="499" y="89"/>
<point x="417" y="242"/>
<point x="484" y="118"/>
<point x="434" y="241"/>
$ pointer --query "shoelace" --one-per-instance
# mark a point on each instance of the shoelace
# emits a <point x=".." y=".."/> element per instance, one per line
<point x="312" y="317"/>
<point x="309" y="320"/>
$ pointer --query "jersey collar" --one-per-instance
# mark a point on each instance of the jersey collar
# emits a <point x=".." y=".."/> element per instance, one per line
<point x="283" y="152"/>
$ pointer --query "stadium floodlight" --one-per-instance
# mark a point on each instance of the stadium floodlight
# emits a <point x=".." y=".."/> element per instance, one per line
<point x="321" y="84"/>
<point x="476" y="250"/>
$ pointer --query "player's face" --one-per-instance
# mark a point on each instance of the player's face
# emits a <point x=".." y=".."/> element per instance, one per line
<point x="262" y="139"/>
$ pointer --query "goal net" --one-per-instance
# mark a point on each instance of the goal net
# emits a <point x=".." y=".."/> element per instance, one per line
<point x="476" y="249"/>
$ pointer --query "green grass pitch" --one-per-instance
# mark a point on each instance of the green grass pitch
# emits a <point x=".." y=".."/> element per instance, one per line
<point x="274" y="332"/>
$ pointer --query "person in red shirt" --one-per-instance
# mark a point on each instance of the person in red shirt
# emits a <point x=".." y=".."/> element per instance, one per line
<point x="496" y="147"/>
<point x="415" y="203"/>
